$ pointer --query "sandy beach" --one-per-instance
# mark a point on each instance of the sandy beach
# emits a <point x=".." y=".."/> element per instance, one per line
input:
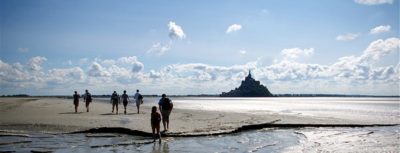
<point x="57" y="115"/>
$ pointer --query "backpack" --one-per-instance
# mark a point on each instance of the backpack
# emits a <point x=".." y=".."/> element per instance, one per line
<point x="166" y="105"/>
<point x="88" y="97"/>
<point x="114" y="97"/>
<point x="140" y="96"/>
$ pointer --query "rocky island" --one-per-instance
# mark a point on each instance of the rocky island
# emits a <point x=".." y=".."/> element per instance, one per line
<point x="249" y="88"/>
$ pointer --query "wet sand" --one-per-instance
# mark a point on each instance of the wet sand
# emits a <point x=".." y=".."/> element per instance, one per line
<point x="57" y="115"/>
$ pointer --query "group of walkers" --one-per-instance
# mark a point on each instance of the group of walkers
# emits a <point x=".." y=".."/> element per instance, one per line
<point x="87" y="98"/>
<point x="165" y="106"/>
<point x="116" y="99"/>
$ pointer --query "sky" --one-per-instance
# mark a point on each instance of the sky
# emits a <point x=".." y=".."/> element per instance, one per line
<point x="54" y="47"/>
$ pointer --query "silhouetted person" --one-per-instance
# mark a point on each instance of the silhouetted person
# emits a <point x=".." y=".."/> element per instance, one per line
<point x="125" y="100"/>
<point x="115" y="101"/>
<point x="138" y="99"/>
<point x="165" y="104"/>
<point x="87" y="97"/>
<point x="76" y="97"/>
<point x="155" y="123"/>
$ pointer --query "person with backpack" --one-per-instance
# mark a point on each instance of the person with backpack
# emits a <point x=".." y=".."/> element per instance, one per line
<point x="76" y="97"/>
<point x="87" y="98"/>
<point x="138" y="99"/>
<point x="125" y="100"/>
<point x="115" y="100"/>
<point x="165" y="105"/>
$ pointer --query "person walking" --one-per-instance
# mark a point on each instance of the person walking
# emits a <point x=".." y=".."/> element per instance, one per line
<point x="76" y="97"/>
<point x="87" y="98"/>
<point x="138" y="99"/>
<point x="165" y="105"/>
<point x="115" y="101"/>
<point x="125" y="100"/>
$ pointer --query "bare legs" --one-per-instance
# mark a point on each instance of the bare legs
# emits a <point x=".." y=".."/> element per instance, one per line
<point x="116" y="108"/>
<point x="87" y="107"/>
<point x="154" y="129"/>
<point x="76" y="108"/>
<point x="165" y="124"/>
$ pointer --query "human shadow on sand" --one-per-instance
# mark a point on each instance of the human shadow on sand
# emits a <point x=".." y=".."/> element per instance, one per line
<point x="134" y="113"/>
<point x="109" y="114"/>
<point x="71" y="113"/>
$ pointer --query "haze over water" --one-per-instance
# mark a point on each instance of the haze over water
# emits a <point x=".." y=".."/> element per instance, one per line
<point x="379" y="110"/>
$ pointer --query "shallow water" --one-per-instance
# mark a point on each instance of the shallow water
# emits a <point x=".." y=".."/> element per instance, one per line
<point x="371" y="139"/>
<point x="384" y="110"/>
<point x="368" y="139"/>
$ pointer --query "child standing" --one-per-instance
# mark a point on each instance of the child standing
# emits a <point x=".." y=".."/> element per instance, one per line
<point x="155" y="123"/>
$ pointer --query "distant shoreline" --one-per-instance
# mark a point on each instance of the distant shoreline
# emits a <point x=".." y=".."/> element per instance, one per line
<point x="217" y="95"/>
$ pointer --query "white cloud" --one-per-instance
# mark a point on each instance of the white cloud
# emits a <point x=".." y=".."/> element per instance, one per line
<point x="175" y="31"/>
<point x="108" y="62"/>
<point x="294" y="53"/>
<point x="67" y="75"/>
<point x="380" y="29"/>
<point x="242" y="51"/>
<point x="347" y="37"/>
<point x="96" y="70"/>
<point x="137" y="66"/>
<point x="12" y="73"/>
<point x="349" y="74"/>
<point x="379" y="48"/>
<point x="35" y="63"/>
<point x="374" y="2"/>
<point x="159" y="49"/>
<point x="233" y="28"/>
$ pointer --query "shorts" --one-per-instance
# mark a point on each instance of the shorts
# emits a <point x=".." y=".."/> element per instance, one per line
<point x="76" y="103"/>
<point x="165" y="115"/>
<point x="125" y="102"/>
<point x="115" y="103"/>
<point x="138" y="102"/>
<point x="87" y="103"/>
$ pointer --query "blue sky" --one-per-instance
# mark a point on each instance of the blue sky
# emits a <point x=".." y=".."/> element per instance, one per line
<point x="184" y="47"/>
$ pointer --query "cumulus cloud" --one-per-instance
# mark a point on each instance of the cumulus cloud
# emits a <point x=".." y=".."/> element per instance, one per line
<point x="159" y="49"/>
<point x="233" y="28"/>
<point x="60" y="76"/>
<point x="96" y="70"/>
<point x="374" y="2"/>
<point x="380" y="29"/>
<point x="347" y="37"/>
<point x="175" y="31"/>
<point x="359" y="74"/>
<point x="11" y="73"/>
<point x="380" y="48"/>
<point x="137" y="66"/>
<point x="294" y="53"/>
<point x="35" y="63"/>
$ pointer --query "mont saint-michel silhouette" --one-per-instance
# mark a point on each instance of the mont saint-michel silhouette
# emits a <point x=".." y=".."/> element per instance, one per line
<point x="249" y="88"/>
